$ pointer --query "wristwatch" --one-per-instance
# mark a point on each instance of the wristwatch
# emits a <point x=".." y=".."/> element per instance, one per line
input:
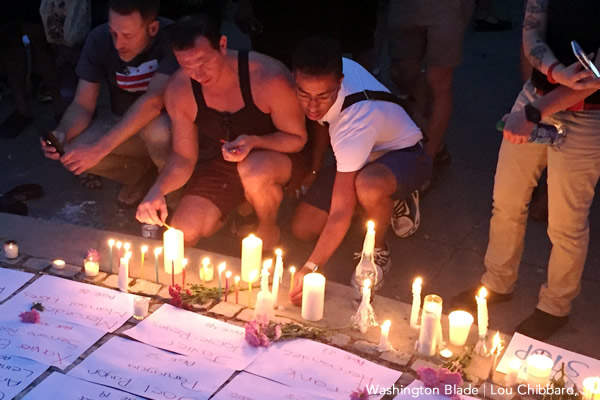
<point x="311" y="265"/>
<point x="532" y="114"/>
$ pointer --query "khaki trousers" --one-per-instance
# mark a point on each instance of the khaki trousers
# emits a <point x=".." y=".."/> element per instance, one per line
<point x="573" y="171"/>
<point x="133" y="159"/>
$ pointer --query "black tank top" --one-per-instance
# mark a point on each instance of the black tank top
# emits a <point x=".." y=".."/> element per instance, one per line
<point x="570" y="20"/>
<point x="214" y="125"/>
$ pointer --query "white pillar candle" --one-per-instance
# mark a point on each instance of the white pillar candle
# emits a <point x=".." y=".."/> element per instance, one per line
<point x="207" y="270"/>
<point x="173" y="248"/>
<point x="416" y="303"/>
<point x="591" y="388"/>
<point x="91" y="268"/>
<point x="512" y="375"/>
<point x="482" y="312"/>
<point x="124" y="274"/>
<point x="277" y="274"/>
<point x="539" y="369"/>
<point x="430" y="335"/>
<point x="313" y="297"/>
<point x="251" y="256"/>
<point x="58" y="264"/>
<point x="11" y="249"/>
<point x="264" y="308"/>
<point x="384" y="338"/>
<point x="460" y="324"/>
<point x="140" y="307"/>
<point x="369" y="244"/>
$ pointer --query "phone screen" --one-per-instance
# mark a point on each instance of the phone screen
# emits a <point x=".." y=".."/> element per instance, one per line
<point x="583" y="59"/>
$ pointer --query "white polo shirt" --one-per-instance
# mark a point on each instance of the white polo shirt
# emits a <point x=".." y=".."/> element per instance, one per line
<point x="368" y="129"/>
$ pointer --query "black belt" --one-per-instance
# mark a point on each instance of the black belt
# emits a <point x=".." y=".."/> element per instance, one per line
<point x="374" y="95"/>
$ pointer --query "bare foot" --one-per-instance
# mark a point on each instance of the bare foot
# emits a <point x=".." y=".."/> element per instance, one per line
<point x="270" y="236"/>
<point x="131" y="195"/>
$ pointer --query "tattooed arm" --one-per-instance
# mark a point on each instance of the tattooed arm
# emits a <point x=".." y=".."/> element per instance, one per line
<point x="534" y="35"/>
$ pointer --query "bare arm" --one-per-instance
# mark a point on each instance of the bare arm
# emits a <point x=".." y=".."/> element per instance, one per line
<point x="79" y="114"/>
<point x="534" y="35"/>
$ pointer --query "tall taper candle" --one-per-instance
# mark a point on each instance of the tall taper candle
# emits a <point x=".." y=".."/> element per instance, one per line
<point x="482" y="312"/>
<point x="416" y="303"/>
<point x="157" y="252"/>
<point x="111" y="243"/>
<point x="237" y="289"/>
<point x="227" y="276"/>
<point x="143" y="249"/>
<point x="221" y="268"/>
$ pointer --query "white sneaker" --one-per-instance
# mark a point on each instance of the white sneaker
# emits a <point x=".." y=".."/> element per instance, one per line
<point x="406" y="216"/>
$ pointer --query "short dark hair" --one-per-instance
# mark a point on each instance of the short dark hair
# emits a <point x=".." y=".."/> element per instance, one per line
<point x="148" y="9"/>
<point x="318" y="56"/>
<point x="186" y="30"/>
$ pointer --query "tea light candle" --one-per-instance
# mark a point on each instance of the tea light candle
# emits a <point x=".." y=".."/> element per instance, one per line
<point x="514" y="368"/>
<point x="591" y="388"/>
<point x="58" y="264"/>
<point x="11" y="249"/>
<point x="416" y="303"/>
<point x="446" y="354"/>
<point x="91" y="268"/>
<point x="539" y="369"/>
<point x="482" y="312"/>
<point x="207" y="271"/>
<point x="460" y="324"/>
<point x="251" y="256"/>
<point x="384" y="338"/>
<point x="313" y="297"/>
<point x="140" y="307"/>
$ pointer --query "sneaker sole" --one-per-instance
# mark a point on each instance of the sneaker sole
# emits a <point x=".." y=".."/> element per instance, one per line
<point x="414" y="224"/>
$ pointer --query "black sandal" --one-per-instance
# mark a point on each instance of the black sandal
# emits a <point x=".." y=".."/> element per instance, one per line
<point x="28" y="191"/>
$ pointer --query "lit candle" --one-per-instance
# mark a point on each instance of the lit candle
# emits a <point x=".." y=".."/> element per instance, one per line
<point x="482" y="312"/>
<point x="460" y="324"/>
<point x="123" y="277"/>
<point x="539" y="369"/>
<point x="143" y="249"/>
<point x="263" y="309"/>
<point x="127" y="247"/>
<point x="184" y="264"/>
<point x="430" y="334"/>
<point x="111" y="243"/>
<point x="497" y="347"/>
<point x="173" y="245"/>
<point x="91" y="267"/>
<point x="313" y="297"/>
<point x="237" y="288"/>
<point x="157" y="252"/>
<point x="207" y="272"/>
<point x="140" y="307"/>
<point x="384" y="338"/>
<point x="251" y="256"/>
<point x="221" y="268"/>
<point x="227" y="276"/>
<point x="292" y="272"/>
<point x="58" y="264"/>
<point x="369" y="243"/>
<point x="591" y="388"/>
<point x="264" y="275"/>
<point x="416" y="303"/>
<point x="446" y="354"/>
<point x="514" y="368"/>
<point x="251" y="278"/>
<point x="11" y="249"/>
<point x="277" y="274"/>
<point x="118" y="245"/>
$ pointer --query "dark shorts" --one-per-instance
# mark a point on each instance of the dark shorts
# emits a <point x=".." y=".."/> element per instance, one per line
<point x="411" y="166"/>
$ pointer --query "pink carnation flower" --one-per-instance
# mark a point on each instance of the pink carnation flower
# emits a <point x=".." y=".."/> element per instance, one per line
<point x="30" y="317"/>
<point x="359" y="394"/>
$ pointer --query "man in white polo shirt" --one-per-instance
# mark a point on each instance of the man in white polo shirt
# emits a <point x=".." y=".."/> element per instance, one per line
<point x="380" y="162"/>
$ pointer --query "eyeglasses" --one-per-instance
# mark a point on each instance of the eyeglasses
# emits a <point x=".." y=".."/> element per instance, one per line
<point x="319" y="99"/>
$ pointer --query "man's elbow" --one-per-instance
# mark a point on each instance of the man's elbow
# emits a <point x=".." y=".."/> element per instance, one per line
<point x="154" y="105"/>
<point x="299" y="143"/>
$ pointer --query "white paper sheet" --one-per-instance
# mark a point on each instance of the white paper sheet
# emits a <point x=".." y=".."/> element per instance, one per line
<point x="251" y="387"/>
<point x="11" y="280"/>
<point x="197" y="336"/>
<point x="417" y="390"/>
<point x="58" y="386"/>
<point x="16" y="374"/>
<point x="321" y="369"/>
<point x="75" y="302"/>
<point x="577" y="366"/>
<point x="49" y="342"/>
<point x="149" y="372"/>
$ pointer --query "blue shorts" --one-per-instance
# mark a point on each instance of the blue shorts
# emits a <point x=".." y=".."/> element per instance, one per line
<point x="411" y="166"/>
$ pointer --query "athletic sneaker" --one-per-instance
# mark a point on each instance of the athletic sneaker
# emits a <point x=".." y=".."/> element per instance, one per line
<point x="406" y="216"/>
<point x="383" y="263"/>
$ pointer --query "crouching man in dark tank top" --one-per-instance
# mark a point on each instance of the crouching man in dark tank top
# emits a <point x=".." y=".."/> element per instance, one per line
<point x="235" y="116"/>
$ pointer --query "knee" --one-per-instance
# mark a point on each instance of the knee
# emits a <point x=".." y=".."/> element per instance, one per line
<point x="261" y="167"/>
<point x="373" y="185"/>
<point x="440" y="81"/>
<point x="157" y="134"/>
<point x="193" y="230"/>
<point x="302" y="229"/>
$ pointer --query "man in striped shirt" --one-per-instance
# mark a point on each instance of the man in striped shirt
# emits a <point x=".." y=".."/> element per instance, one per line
<point x="131" y="54"/>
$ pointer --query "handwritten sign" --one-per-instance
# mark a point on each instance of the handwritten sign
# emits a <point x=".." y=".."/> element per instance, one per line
<point x="321" y="369"/>
<point x="149" y="372"/>
<point x="49" y="342"/>
<point x="577" y="367"/>
<point x="11" y="280"/>
<point x="16" y="374"/>
<point x="251" y="387"/>
<point x="64" y="387"/>
<point x="197" y="336"/>
<point x="417" y="390"/>
<point x="75" y="302"/>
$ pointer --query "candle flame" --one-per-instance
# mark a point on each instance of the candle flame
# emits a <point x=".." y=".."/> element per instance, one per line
<point x="111" y="242"/>
<point x="228" y="274"/>
<point x="144" y="249"/>
<point x="278" y="252"/>
<point x="119" y="245"/>
<point x="184" y="262"/>
<point x="482" y="293"/>
<point x="205" y="262"/>
<point x="157" y="251"/>
<point x="367" y="283"/>
<point x="497" y="344"/>
<point x="267" y="264"/>
<point x="127" y="246"/>
<point x="418" y="282"/>
<point x="370" y="225"/>
<point x="222" y="267"/>
<point x="387" y="323"/>
<point x="292" y="270"/>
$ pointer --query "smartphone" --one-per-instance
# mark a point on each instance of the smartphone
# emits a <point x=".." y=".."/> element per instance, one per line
<point x="52" y="140"/>
<point x="583" y="59"/>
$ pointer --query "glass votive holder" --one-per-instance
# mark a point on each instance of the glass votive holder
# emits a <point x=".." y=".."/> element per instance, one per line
<point x="11" y="249"/>
<point x="539" y="369"/>
<point x="140" y="307"/>
<point x="91" y="267"/>
<point x="460" y="325"/>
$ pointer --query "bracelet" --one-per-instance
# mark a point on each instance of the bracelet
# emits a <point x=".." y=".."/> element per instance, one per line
<point x="549" y="74"/>
<point x="311" y="265"/>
